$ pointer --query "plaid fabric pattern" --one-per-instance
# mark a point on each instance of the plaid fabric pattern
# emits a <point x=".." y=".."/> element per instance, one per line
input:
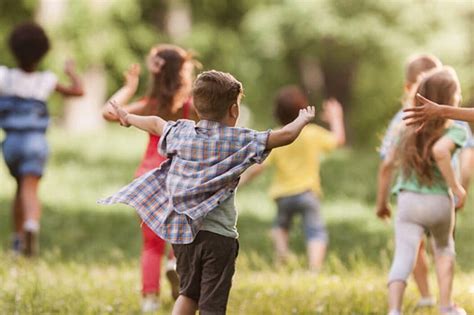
<point x="203" y="169"/>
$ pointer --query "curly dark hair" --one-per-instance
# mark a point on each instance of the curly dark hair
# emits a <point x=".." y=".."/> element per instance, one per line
<point x="288" y="102"/>
<point x="28" y="43"/>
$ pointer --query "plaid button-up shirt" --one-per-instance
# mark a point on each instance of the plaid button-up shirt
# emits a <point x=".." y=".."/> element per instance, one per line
<point x="205" y="162"/>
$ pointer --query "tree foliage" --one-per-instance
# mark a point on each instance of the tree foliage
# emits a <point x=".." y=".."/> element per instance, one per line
<point x="352" y="50"/>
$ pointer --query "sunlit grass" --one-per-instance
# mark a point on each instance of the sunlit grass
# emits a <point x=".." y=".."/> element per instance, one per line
<point x="89" y="261"/>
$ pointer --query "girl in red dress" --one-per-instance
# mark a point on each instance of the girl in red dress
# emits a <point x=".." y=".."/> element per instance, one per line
<point x="168" y="95"/>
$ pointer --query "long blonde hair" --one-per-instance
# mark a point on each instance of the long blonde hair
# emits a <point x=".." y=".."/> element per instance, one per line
<point x="415" y="149"/>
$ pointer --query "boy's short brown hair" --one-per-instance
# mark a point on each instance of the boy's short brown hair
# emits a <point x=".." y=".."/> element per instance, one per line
<point x="214" y="92"/>
<point x="290" y="99"/>
<point x="417" y="64"/>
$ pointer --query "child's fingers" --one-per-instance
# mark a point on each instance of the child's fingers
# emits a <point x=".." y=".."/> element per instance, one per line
<point x="423" y="99"/>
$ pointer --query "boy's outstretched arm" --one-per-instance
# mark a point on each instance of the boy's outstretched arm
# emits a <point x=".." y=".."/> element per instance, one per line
<point x="290" y="132"/>
<point x="151" y="124"/>
<point x="75" y="88"/>
<point x="333" y="114"/>
<point x="442" y="154"/>
<point x="431" y="110"/>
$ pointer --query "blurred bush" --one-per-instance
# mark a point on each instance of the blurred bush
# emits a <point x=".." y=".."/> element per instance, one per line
<point x="351" y="50"/>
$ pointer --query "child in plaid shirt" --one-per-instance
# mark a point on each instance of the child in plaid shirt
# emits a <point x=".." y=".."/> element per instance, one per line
<point x="189" y="200"/>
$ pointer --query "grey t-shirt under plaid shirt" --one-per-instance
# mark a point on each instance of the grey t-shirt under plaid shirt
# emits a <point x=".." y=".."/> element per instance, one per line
<point x="223" y="219"/>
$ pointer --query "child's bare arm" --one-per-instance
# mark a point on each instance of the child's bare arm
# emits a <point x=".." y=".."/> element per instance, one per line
<point x="151" y="124"/>
<point x="430" y="110"/>
<point x="442" y="154"/>
<point x="290" y="132"/>
<point x="383" y="185"/>
<point x="333" y="114"/>
<point x="124" y="94"/>
<point x="75" y="88"/>
<point x="251" y="173"/>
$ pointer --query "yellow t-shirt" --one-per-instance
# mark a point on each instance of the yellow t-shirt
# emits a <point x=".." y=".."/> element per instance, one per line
<point x="297" y="165"/>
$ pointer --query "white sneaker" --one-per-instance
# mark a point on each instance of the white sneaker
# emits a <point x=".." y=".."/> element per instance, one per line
<point x="150" y="304"/>
<point x="394" y="312"/>
<point x="452" y="310"/>
<point x="426" y="302"/>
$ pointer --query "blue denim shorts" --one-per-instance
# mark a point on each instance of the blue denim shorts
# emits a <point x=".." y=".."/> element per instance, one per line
<point x="25" y="153"/>
<point x="306" y="204"/>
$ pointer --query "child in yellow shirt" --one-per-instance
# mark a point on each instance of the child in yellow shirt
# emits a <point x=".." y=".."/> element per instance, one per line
<point x="296" y="185"/>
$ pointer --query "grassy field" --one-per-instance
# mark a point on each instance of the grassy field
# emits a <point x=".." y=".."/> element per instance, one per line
<point x="89" y="260"/>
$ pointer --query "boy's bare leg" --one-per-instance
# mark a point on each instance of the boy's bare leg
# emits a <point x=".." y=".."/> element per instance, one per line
<point x="32" y="212"/>
<point x="29" y="197"/>
<point x="17" y="210"/>
<point x="445" y="273"/>
<point x="420" y="271"/>
<point x="316" y="254"/>
<point x="280" y="240"/>
<point x="395" y="295"/>
<point x="184" y="306"/>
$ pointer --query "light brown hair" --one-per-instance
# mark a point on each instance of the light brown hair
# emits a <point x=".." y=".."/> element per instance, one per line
<point x="415" y="149"/>
<point x="214" y="92"/>
<point x="417" y="64"/>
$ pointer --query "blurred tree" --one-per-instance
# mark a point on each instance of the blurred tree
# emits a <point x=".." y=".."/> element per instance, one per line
<point x="23" y="10"/>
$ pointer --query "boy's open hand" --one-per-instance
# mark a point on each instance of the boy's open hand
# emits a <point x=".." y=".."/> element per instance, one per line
<point x="332" y="110"/>
<point x="132" y="76"/>
<point x="121" y="114"/>
<point x="307" y="114"/>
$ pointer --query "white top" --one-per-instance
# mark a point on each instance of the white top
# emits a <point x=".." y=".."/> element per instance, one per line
<point x="37" y="85"/>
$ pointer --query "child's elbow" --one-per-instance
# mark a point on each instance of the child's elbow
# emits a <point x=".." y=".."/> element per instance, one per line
<point x="440" y="152"/>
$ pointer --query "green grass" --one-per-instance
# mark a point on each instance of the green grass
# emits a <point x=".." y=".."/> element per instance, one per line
<point x="89" y="260"/>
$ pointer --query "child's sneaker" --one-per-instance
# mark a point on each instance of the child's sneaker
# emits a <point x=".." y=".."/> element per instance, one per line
<point x="172" y="276"/>
<point x="31" y="247"/>
<point x="17" y="244"/>
<point x="452" y="310"/>
<point x="394" y="312"/>
<point x="426" y="302"/>
<point x="150" y="303"/>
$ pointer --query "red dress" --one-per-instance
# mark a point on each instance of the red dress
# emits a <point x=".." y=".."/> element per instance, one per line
<point x="153" y="246"/>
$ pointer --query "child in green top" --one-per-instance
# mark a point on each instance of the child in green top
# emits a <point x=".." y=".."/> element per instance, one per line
<point x="425" y="191"/>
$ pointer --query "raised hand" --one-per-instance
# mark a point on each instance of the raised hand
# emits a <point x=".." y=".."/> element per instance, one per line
<point x="332" y="110"/>
<point x="155" y="63"/>
<point x="307" y="114"/>
<point x="121" y="114"/>
<point x="132" y="76"/>
<point x="70" y="67"/>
